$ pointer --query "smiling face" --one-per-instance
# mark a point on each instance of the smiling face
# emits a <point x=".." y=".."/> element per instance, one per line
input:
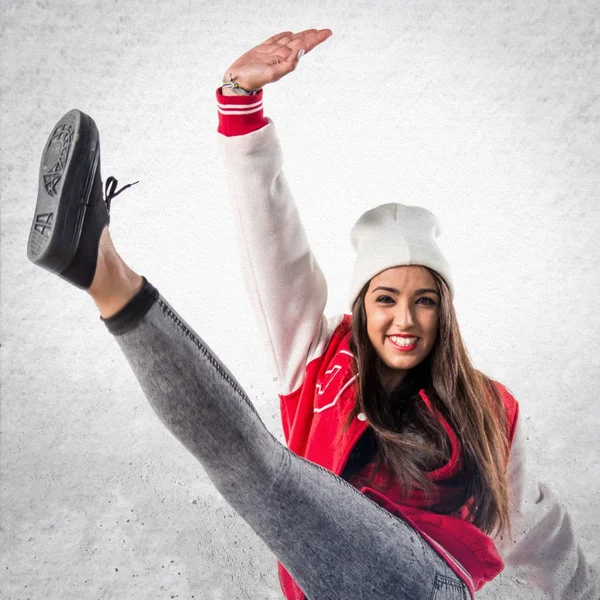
<point x="402" y="306"/>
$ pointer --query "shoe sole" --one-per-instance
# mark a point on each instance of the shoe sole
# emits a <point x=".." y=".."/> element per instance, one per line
<point x="67" y="172"/>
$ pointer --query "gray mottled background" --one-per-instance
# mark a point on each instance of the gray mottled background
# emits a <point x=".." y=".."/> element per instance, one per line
<point x="485" y="112"/>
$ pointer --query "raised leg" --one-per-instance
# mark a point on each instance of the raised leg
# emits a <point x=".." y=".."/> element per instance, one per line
<point x="334" y="541"/>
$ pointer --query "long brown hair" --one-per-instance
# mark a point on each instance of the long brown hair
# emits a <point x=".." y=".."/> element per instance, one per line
<point x="466" y="398"/>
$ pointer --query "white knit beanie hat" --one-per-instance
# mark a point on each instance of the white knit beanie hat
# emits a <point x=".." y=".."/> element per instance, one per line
<point x="391" y="235"/>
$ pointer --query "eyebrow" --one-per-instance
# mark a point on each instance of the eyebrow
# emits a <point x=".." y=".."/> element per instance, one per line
<point x="395" y="291"/>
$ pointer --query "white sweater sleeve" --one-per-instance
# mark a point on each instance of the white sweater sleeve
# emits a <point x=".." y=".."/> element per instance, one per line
<point x="287" y="289"/>
<point x="544" y="551"/>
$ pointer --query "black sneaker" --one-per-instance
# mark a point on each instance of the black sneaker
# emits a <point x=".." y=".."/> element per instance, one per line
<point x="71" y="212"/>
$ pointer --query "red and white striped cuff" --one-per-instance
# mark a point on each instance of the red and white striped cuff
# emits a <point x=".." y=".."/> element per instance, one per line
<point x="239" y="115"/>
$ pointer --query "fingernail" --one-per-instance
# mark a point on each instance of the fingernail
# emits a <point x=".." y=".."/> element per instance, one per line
<point x="301" y="53"/>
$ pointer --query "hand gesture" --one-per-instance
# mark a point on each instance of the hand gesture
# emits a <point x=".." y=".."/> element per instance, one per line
<point x="275" y="57"/>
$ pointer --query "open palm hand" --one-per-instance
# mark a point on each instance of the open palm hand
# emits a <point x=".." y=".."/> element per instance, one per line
<point x="274" y="58"/>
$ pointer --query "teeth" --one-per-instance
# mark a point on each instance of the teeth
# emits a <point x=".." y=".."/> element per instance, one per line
<point x="404" y="341"/>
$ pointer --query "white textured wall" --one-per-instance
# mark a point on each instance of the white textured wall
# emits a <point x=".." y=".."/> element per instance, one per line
<point x="485" y="112"/>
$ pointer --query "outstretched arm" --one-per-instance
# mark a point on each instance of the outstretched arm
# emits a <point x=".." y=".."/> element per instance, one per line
<point x="286" y="287"/>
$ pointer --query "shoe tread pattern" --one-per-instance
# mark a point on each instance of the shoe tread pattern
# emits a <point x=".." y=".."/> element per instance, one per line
<point x="59" y="211"/>
<point x="55" y="156"/>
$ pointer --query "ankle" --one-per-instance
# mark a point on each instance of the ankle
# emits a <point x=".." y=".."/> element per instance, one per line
<point x="114" y="284"/>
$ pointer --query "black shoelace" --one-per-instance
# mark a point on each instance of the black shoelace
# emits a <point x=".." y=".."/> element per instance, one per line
<point x="110" y="190"/>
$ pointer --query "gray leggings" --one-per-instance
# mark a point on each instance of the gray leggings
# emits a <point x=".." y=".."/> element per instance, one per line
<point x="334" y="541"/>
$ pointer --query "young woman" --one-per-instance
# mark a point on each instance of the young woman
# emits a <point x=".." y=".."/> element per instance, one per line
<point x="403" y="461"/>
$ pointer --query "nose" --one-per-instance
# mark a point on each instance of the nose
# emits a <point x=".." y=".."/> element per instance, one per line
<point x="403" y="316"/>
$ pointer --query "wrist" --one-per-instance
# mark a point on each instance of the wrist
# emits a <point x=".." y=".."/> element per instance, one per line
<point x="239" y="89"/>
